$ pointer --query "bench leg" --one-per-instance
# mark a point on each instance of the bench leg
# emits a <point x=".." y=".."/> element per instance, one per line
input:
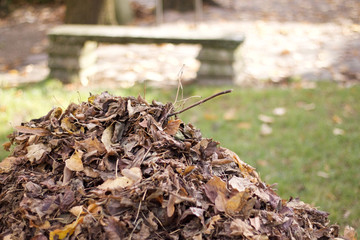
<point x="218" y="65"/>
<point x="72" y="62"/>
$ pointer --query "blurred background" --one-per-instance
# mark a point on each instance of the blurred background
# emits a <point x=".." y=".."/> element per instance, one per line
<point x="294" y="114"/>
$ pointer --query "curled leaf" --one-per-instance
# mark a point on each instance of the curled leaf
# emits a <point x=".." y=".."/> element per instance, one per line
<point x="35" y="131"/>
<point x="36" y="151"/>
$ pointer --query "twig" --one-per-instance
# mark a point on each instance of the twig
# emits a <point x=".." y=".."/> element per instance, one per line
<point x="179" y="83"/>
<point x="200" y="102"/>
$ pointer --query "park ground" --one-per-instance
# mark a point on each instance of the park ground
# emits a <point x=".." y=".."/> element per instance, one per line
<point x="298" y="131"/>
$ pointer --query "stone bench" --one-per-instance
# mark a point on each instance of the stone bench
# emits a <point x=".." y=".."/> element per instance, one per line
<point x="72" y="54"/>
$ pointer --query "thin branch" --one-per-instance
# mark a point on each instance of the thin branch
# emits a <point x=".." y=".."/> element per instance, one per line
<point x="200" y="102"/>
<point x="179" y="84"/>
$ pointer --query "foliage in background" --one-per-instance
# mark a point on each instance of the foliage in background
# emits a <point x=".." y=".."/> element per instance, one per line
<point x="312" y="151"/>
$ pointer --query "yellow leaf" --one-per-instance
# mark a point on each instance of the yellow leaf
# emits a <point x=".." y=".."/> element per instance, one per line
<point x="91" y="99"/>
<point x="57" y="113"/>
<point x="74" y="163"/>
<point x="66" y="231"/>
<point x="188" y="169"/>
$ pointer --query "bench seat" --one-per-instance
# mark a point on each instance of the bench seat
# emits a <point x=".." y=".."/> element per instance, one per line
<point x="72" y="54"/>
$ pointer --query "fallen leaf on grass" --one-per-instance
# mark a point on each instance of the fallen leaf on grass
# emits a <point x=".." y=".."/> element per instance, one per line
<point x="350" y="233"/>
<point x="210" y="116"/>
<point x="336" y="119"/>
<point x="338" y="132"/>
<point x="265" y="119"/>
<point x="279" y="111"/>
<point x="265" y="129"/>
<point x="230" y="114"/>
<point x="243" y="125"/>
<point x="306" y="106"/>
<point x="323" y="174"/>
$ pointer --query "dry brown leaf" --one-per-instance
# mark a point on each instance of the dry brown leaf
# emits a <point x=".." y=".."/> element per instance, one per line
<point x="172" y="126"/>
<point x="92" y="144"/>
<point x="188" y="169"/>
<point x="134" y="173"/>
<point x="350" y="233"/>
<point x="210" y="226"/>
<point x="220" y="202"/>
<point x="215" y="186"/>
<point x="116" y="183"/>
<point x="76" y="210"/>
<point x="6" y="164"/>
<point x="241" y="184"/>
<point x="35" y="131"/>
<point x="36" y="151"/>
<point x="90" y="172"/>
<point x="236" y="203"/>
<point x="67" y="125"/>
<point x="7" y="146"/>
<point x="240" y="228"/>
<point x="171" y="205"/>
<point x="74" y="163"/>
<point x="106" y="137"/>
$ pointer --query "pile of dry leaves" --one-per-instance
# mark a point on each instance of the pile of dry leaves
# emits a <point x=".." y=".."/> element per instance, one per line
<point x="121" y="168"/>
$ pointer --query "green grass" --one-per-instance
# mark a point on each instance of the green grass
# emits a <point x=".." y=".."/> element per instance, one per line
<point x="302" y="154"/>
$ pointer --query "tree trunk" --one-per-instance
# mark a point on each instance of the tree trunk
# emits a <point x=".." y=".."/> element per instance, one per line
<point x="106" y="12"/>
<point x="184" y="5"/>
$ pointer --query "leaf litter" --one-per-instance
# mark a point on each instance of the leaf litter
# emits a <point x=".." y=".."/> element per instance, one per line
<point x="122" y="168"/>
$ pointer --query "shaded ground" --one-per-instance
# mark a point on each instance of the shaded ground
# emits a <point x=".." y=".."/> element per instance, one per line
<point x="310" y="40"/>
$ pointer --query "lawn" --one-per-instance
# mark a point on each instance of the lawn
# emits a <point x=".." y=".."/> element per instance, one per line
<point x="313" y="151"/>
